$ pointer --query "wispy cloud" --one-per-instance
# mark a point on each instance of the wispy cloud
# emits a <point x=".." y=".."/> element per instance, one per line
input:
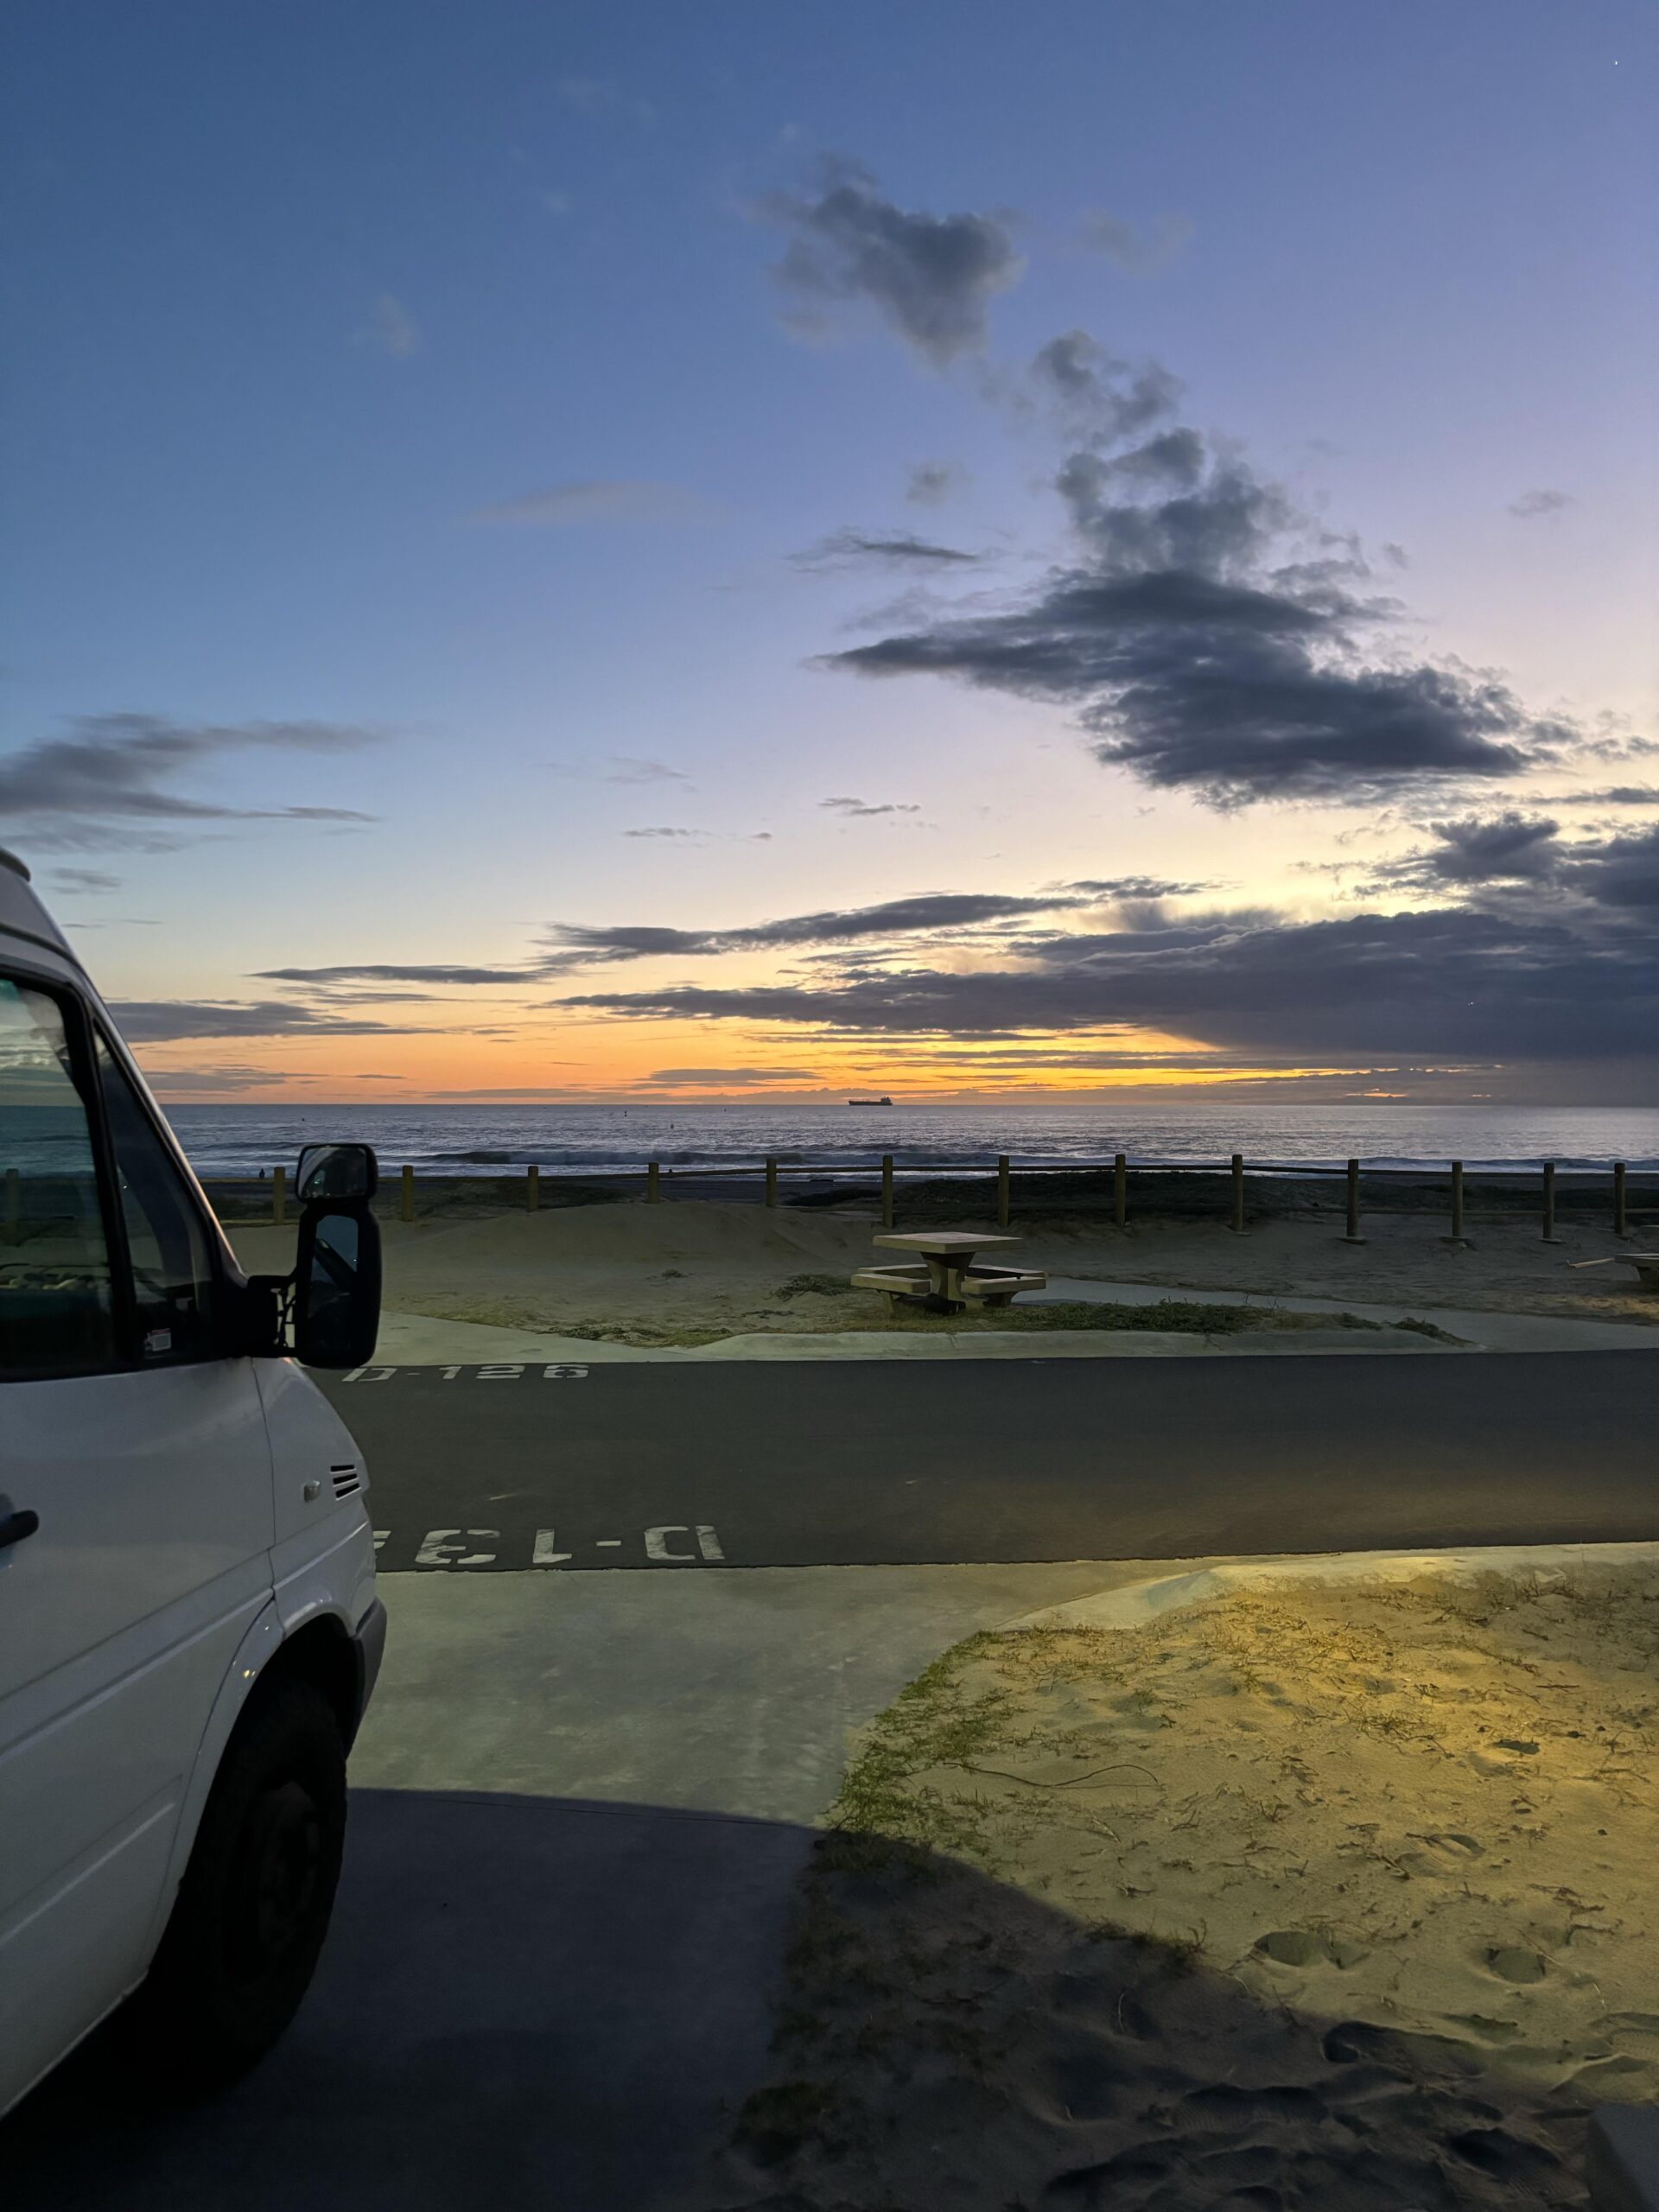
<point x="863" y="808"/>
<point x="1139" y="251"/>
<point x="122" y="769"/>
<point x="603" y="98"/>
<point x="390" y="328"/>
<point x="737" y="1078"/>
<point x="596" y="499"/>
<point x="1531" y="505"/>
<point x="875" y="549"/>
<point x="150" y="1021"/>
<point x="932" y="482"/>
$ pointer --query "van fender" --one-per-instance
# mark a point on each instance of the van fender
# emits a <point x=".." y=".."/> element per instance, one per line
<point x="255" y="1652"/>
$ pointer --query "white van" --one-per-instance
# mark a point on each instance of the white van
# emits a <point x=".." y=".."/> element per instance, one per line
<point x="188" y="1625"/>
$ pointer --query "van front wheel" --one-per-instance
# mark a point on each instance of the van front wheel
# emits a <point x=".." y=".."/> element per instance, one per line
<point x="253" y="1907"/>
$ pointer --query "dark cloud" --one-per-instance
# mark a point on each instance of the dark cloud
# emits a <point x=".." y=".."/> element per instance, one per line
<point x="1611" y="795"/>
<point x="1530" y="504"/>
<point x="930" y="911"/>
<point x="933" y="482"/>
<point x="1095" y="397"/>
<point x="1620" y="872"/>
<point x="863" y="807"/>
<point x="861" y="549"/>
<point x="1137" y="252"/>
<point x="661" y="829"/>
<point x="1194" y="659"/>
<point x="1503" y="848"/>
<point x="930" y="278"/>
<point x="1455" y="983"/>
<point x="120" y="768"/>
<point x="386" y="972"/>
<point x="1138" y="887"/>
<point x="150" y="1021"/>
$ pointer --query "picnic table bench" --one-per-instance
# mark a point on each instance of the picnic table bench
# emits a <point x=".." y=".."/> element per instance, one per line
<point x="944" y="1277"/>
<point x="1647" y="1268"/>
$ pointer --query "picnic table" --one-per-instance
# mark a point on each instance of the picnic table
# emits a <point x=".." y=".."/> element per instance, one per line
<point x="1647" y="1268"/>
<point x="944" y="1277"/>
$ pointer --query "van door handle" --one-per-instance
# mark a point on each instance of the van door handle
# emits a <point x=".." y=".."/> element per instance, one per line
<point x="16" y="1522"/>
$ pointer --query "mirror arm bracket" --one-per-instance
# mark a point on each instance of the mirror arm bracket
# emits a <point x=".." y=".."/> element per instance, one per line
<point x="271" y="1307"/>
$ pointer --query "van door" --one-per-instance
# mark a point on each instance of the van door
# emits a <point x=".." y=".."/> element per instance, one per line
<point x="139" y="1447"/>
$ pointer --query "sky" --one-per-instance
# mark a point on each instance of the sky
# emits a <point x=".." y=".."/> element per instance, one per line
<point x="664" y="551"/>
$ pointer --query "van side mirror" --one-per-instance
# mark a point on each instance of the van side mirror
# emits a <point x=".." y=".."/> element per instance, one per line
<point x="336" y="1296"/>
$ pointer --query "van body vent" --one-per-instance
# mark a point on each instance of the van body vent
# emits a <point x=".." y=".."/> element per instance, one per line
<point x="346" y="1480"/>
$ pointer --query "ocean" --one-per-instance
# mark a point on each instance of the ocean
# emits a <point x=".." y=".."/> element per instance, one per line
<point x="578" y="1139"/>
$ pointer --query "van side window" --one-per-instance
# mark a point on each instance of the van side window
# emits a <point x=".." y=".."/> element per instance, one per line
<point x="55" y="1312"/>
<point x="173" y="1279"/>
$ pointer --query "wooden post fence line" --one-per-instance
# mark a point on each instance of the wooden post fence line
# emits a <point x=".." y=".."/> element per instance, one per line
<point x="1351" y="1235"/>
<point x="1237" y="1169"/>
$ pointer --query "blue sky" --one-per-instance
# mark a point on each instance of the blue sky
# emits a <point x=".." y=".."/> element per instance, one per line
<point x="311" y="308"/>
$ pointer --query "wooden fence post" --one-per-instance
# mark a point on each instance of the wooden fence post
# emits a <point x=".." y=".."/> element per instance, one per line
<point x="771" y="1182"/>
<point x="1120" y="1189"/>
<point x="1621" y="1216"/>
<point x="653" y="1193"/>
<point x="279" y="1195"/>
<point x="1456" y="1236"/>
<point x="1238" y="1194"/>
<point x="1001" y="1190"/>
<point x="887" y="1190"/>
<point x="1353" y="1236"/>
<point x="406" y="1209"/>
<point x="1550" y="1237"/>
<point x="14" y="1222"/>
<point x="532" y="1188"/>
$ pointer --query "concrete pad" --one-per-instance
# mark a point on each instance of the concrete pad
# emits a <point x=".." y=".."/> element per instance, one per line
<point x="1132" y="1604"/>
<point x="522" y="2002"/>
<point x="1622" y="2159"/>
<point x="417" y="1340"/>
<point x="730" y="1691"/>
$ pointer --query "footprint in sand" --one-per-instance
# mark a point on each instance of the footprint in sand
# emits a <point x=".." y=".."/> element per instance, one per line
<point x="1511" y="1963"/>
<point x="1303" y="1946"/>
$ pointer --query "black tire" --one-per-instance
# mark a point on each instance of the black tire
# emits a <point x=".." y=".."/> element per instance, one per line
<point x="248" y="1925"/>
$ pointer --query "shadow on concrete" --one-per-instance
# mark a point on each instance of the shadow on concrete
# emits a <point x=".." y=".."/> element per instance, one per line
<point x="522" y="2001"/>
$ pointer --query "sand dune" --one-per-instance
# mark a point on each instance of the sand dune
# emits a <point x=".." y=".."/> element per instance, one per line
<point x="1335" y="1897"/>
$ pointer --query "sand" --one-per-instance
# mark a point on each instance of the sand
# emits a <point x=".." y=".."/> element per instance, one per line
<point x="1329" y="1896"/>
<point x="646" y="1275"/>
